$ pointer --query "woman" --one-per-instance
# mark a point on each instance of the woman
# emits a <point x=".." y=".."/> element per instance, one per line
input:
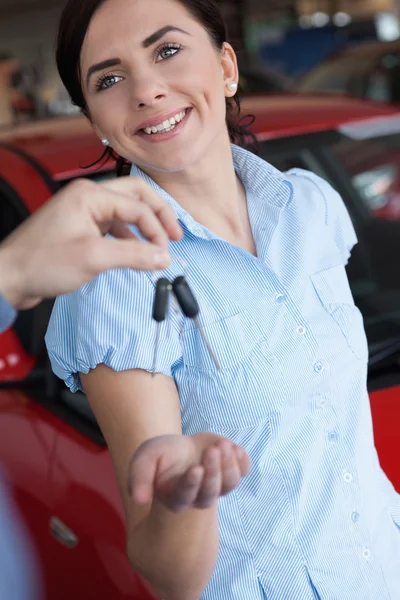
<point x="266" y="253"/>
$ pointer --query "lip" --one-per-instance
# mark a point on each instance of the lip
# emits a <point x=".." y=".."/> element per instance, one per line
<point x="160" y="119"/>
<point x="155" y="138"/>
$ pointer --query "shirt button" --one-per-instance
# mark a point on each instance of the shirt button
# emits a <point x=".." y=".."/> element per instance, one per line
<point x="355" y="516"/>
<point x="301" y="330"/>
<point x="318" y="367"/>
<point x="332" y="436"/>
<point x="279" y="298"/>
<point x="321" y="402"/>
<point x="348" y="477"/>
<point x="366" y="553"/>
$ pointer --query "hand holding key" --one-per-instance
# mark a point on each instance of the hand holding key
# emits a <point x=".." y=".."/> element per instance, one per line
<point x="183" y="472"/>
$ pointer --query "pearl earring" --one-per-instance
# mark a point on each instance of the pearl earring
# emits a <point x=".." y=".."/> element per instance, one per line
<point x="232" y="87"/>
<point x="105" y="142"/>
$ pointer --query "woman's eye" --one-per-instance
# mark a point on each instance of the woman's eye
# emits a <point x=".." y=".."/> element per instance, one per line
<point x="107" y="81"/>
<point x="167" y="52"/>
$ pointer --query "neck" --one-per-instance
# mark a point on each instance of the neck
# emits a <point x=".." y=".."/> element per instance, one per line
<point x="212" y="193"/>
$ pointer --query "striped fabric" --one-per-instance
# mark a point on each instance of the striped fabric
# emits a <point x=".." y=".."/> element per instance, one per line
<point x="316" y="517"/>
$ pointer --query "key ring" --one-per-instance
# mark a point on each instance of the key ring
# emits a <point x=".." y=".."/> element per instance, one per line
<point x="188" y="304"/>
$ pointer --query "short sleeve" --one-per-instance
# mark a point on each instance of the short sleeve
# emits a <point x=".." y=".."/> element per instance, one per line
<point x="337" y="218"/>
<point x="109" y="321"/>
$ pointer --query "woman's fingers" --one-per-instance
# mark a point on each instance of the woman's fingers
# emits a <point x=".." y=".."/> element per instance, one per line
<point x="221" y="469"/>
<point x="230" y="467"/>
<point x="142" y="473"/>
<point x="181" y="494"/>
<point x="211" y="485"/>
<point x="243" y="460"/>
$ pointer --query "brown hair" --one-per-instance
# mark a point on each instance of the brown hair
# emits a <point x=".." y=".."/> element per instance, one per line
<point x="74" y="23"/>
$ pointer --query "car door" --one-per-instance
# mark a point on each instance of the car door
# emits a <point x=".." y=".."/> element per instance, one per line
<point x="58" y="466"/>
<point x="88" y="524"/>
<point x="27" y="431"/>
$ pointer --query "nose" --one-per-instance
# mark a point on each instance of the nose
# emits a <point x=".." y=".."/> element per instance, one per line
<point x="147" y="90"/>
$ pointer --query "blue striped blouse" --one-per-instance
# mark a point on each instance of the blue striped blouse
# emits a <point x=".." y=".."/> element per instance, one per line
<point x="316" y="517"/>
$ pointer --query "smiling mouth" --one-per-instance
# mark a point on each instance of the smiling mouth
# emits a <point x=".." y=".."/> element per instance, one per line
<point x="167" y="125"/>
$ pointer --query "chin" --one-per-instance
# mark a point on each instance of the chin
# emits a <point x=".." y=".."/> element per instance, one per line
<point x="173" y="161"/>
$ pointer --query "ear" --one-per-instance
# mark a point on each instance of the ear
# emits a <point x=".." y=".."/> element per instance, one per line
<point x="229" y="68"/>
<point x="96" y="130"/>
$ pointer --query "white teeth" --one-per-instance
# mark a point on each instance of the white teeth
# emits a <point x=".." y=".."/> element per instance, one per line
<point x="166" y="125"/>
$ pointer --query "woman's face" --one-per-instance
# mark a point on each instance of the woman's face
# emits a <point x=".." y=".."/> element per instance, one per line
<point x="148" y="66"/>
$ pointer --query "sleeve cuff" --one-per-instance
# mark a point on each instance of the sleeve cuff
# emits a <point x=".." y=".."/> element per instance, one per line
<point x="7" y="314"/>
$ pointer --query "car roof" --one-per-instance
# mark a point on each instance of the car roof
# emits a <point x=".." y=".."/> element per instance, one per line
<point x="64" y="145"/>
<point x="294" y="114"/>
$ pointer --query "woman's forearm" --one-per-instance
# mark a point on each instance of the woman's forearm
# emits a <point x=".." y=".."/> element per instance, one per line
<point x="176" y="552"/>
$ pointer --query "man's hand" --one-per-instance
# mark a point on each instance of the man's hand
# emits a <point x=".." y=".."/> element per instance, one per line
<point x="183" y="472"/>
<point x="62" y="246"/>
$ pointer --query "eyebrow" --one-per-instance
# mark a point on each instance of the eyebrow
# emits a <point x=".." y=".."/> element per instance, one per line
<point x="157" y="35"/>
<point x="105" y="64"/>
<point x="149" y="41"/>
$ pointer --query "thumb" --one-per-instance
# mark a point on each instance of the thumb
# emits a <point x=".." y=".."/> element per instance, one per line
<point x="128" y="253"/>
<point x="141" y="475"/>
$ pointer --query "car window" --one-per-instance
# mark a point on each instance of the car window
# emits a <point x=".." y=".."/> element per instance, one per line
<point x="374" y="168"/>
<point x="12" y="211"/>
<point x="369" y="182"/>
<point x="99" y="177"/>
<point x="378" y="86"/>
<point x="285" y="160"/>
<point x="384" y="81"/>
<point x="12" y="214"/>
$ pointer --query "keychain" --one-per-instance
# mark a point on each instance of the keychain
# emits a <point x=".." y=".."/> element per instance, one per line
<point x="188" y="305"/>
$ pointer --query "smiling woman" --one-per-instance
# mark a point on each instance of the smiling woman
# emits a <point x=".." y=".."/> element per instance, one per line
<point x="265" y="255"/>
<point x="83" y="79"/>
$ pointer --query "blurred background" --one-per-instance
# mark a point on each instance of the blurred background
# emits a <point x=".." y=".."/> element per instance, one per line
<point x="322" y="78"/>
<point x="281" y="44"/>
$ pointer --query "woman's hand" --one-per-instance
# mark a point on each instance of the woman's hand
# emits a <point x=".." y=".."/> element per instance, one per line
<point x="183" y="472"/>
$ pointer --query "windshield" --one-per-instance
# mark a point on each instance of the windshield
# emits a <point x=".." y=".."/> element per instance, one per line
<point x="373" y="166"/>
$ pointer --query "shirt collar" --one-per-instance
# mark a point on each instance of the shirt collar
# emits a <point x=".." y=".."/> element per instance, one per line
<point x="262" y="182"/>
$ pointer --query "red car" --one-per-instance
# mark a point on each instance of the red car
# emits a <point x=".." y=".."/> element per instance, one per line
<point x="50" y="443"/>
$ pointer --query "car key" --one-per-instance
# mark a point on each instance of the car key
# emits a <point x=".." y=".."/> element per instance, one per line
<point x="160" y="307"/>
<point x="190" y="309"/>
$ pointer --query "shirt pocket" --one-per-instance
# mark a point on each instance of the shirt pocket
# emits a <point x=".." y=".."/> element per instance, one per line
<point x="248" y="385"/>
<point x="333" y="290"/>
